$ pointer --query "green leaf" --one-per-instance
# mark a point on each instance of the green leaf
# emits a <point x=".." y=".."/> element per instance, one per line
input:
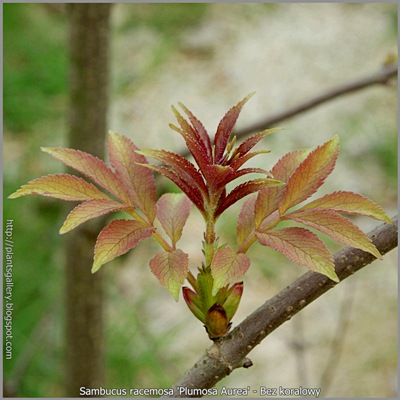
<point x="118" y="238"/>
<point x="302" y="247"/>
<point x="171" y="269"/>
<point x="172" y="211"/>
<point x="310" y="174"/>
<point x="227" y="266"/>
<point x="60" y="186"/>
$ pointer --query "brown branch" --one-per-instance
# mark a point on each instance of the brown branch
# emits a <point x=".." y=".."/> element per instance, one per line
<point x="222" y="358"/>
<point x="381" y="77"/>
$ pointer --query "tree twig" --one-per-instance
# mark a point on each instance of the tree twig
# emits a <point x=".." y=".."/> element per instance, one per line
<point x="381" y="77"/>
<point x="222" y="358"/>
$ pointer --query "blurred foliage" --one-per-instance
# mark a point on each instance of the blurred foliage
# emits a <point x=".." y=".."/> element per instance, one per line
<point x="35" y="67"/>
<point x="167" y="19"/>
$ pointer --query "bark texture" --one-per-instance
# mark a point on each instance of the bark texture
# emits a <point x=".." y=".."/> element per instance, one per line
<point x="88" y="52"/>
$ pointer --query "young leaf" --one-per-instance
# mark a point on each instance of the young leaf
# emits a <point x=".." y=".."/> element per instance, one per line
<point x="172" y="211"/>
<point x="180" y="165"/>
<point x="245" y="224"/>
<point x="200" y="131"/>
<point x="193" y="141"/>
<point x="88" y="210"/>
<point x="60" y="186"/>
<point x="245" y="189"/>
<point x="171" y="269"/>
<point x="192" y="192"/>
<point x="302" y="247"/>
<point x="92" y="167"/>
<point x="138" y="180"/>
<point x="118" y="238"/>
<point x="227" y="267"/>
<point x="349" y="203"/>
<point x="287" y="164"/>
<point x="249" y="143"/>
<point x="310" y="174"/>
<point x="337" y="227"/>
<point x="225" y="128"/>
<point x="267" y="202"/>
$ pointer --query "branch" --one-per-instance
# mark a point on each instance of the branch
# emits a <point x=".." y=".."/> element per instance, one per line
<point x="222" y="358"/>
<point x="382" y="77"/>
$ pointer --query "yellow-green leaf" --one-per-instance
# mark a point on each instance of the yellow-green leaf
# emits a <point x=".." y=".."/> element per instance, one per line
<point x="92" y="167"/>
<point x="227" y="266"/>
<point x="116" y="239"/>
<point x="60" y="186"/>
<point x="302" y="247"/>
<point x="172" y="211"/>
<point x="337" y="227"/>
<point x="88" y="210"/>
<point x="137" y="179"/>
<point x="349" y="203"/>
<point x="310" y="174"/>
<point x="171" y="269"/>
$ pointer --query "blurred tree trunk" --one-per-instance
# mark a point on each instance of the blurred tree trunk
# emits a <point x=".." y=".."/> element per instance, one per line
<point x="88" y="54"/>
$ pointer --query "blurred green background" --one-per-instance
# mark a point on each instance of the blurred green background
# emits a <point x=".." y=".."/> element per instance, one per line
<point x="208" y="56"/>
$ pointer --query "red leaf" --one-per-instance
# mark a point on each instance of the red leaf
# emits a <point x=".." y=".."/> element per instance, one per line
<point x="118" y="238"/>
<point x="192" y="192"/>
<point x="60" y="186"/>
<point x="92" y="167"/>
<point x="88" y="210"/>
<point x="193" y="141"/>
<point x="245" y="189"/>
<point x="246" y="224"/>
<point x="237" y="163"/>
<point x="138" y="180"/>
<point x="249" y="143"/>
<point x="225" y="128"/>
<point x="337" y="227"/>
<point x="180" y="165"/>
<point x="200" y="131"/>
<point x="301" y="246"/>
<point x="349" y="203"/>
<point x="172" y="211"/>
<point x="310" y="174"/>
<point x="227" y="267"/>
<point x="171" y="269"/>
